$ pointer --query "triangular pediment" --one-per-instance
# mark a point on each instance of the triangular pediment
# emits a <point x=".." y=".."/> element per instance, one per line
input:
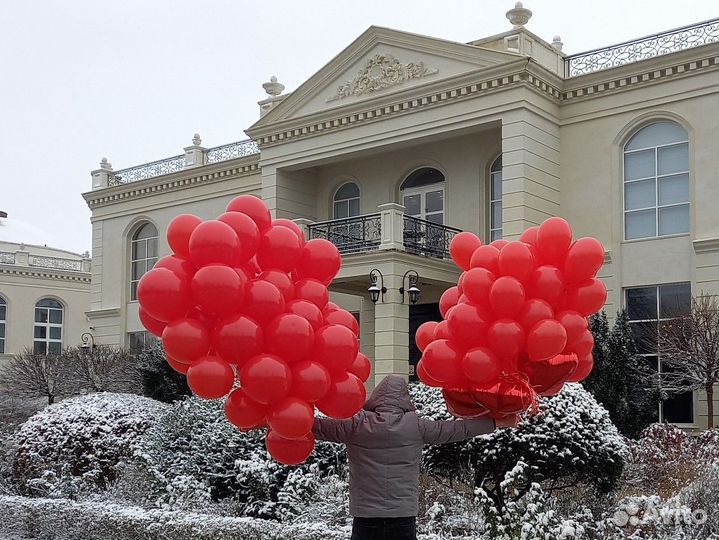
<point x="379" y="63"/>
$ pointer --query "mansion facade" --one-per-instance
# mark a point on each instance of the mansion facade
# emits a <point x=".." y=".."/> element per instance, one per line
<point x="403" y="140"/>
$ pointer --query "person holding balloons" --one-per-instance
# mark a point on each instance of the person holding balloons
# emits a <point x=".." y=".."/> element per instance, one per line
<point x="384" y="447"/>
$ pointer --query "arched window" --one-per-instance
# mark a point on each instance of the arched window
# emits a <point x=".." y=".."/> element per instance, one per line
<point x="347" y="201"/>
<point x="47" y="337"/>
<point x="3" y="319"/>
<point x="423" y="195"/>
<point x="143" y="255"/>
<point x="656" y="182"/>
<point x="495" y="200"/>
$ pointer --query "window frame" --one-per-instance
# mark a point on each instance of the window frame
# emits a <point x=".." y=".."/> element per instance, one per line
<point x="656" y="178"/>
<point x="48" y="325"/>
<point x="657" y="321"/>
<point x="491" y="202"/>
<point x="347" y="201"/>
<point x="147" y="340"/>
<point x="3" y="323"/>
<point x="134" y="240"/>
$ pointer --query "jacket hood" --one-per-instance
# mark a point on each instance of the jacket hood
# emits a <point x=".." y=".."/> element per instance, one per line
<point x="390" y="396"/>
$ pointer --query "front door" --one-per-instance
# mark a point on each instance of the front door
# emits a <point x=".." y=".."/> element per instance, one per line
<point x="417" y="315"/>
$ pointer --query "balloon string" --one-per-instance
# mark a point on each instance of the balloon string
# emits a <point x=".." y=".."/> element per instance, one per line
<point x="520" y="378"/>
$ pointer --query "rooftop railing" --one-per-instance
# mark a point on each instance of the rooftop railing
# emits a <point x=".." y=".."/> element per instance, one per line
<point x="173" y="164"/>
<point x="639" y="49"/>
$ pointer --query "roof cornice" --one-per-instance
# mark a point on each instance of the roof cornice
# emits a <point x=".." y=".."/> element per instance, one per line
<point x="78" y="277"/>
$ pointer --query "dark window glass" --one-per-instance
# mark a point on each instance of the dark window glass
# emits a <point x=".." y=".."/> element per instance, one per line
<point x="422" y="177"/>
<point x="642" y="303"/>
<point x="40" y="347"/>
<point x="679" y="409"/>
<point x="645" y="334"/>
<point x="675" y="300"/>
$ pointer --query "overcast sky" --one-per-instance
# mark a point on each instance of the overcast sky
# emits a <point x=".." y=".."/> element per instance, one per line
<point x="134" y="79"/>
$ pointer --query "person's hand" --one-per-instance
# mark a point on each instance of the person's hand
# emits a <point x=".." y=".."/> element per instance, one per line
<point x="510" y="421"/>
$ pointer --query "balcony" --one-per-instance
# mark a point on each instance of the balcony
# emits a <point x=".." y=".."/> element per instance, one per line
<point x="387" y="229"/>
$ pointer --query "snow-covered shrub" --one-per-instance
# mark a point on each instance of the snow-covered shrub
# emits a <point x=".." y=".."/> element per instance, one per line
<point x="79" y="443"/>
<point x="571" y="441"/>
<point x="702" y="495"/>
<point x="194" y="457"/>
<point x="665" y="459"/>
<point x="159" y="380"/>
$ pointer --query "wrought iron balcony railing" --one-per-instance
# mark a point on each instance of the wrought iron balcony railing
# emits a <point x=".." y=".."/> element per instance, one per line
<point x="177" y="163"/>
<point x="423" y="237"/>
<point x="670" y="41"/>
<point x="358" y="234"/>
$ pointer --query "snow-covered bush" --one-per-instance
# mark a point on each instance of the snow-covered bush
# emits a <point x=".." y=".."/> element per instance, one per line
<point x="571" y="441"/>
<point x="665" y="459"/>
<point x="159" y="380"/>
<point x="79" y="443"/>
<point x="194" y="457"/>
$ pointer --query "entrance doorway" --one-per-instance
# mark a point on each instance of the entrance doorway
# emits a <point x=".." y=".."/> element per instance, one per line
<point x="419" y="314"/>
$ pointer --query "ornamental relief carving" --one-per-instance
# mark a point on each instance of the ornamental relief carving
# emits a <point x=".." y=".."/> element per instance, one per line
<point x="381" y="71"/>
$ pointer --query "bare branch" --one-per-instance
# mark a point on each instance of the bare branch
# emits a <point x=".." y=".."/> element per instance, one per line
<point x="102" y="368"/>
<point x="30" y="374"/>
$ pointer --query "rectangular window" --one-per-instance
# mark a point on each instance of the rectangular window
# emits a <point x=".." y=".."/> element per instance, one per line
<point x="47" y="330"/>
<point x="647" y="308"/>
<point x="136" y="341"/>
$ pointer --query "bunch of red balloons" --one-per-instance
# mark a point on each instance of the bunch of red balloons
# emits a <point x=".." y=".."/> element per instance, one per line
<point x="515" y="326"/>
<point x="243" y="310"/>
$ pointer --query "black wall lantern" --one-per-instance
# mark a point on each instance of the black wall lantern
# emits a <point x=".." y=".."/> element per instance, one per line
<point x="374" y="289"/>
<point x="411" y="276"/>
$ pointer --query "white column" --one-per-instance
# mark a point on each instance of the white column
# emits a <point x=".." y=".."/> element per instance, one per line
<point x="101" y="177"/>
<point x="392" y="224"/>
<point x="391" y="335"/>
<point x="195" y="154"/>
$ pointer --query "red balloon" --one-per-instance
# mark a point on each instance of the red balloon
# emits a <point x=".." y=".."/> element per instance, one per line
<point x="425" y="334"/>
<point x="214" y="242"/>
<point x="442" y="331"/>
<point x="163" y="294"/>
<point x="584" y="259"/>
<point x="289" y="451"/>
<point x="244" y="412"/>
<point x="533" y="311"/>
<point x="306" y="309"/>
<point x="319" y="260"/>
<point x="343" y="318"/>
<point x="361" y="367"/>
<point x="186" y="339"/>
<point x="584" y="345"/>
<point x="584" y="368"/>
<point x="210" y="377"/>
<point x="468" y="324"/>
<point x="530" y="235"/>
<point x="516" y="260"/>
<point x="546" y="375"/>
<point x="182" y="267"/>
<point x="179" y="231"/>
<point x="246" y="231"/>
<point x="263" y="301"/>
<point x="345" y="397"/>
<point x="448" y="300"/>
<point x="462" y="404"/>
<point x="499" y="244"/>
<point x="178" y="366"/>
<point x="553" y="240"/>
<point x="331" y="306"/>
<point x="251" y="268"/>
<point x="281" y="280"/>
<point x="335" y="347"/>
<point x="506" y="339"/>
<point x="486" y="257"/>
<point x="587" y="297"/>
<point x="266" y="378"/>
<point x="425" y="378"/>
<point x="253" y="207"/>
<point x="313" y="290"/>
<point x="218" y="290"/>
<point x="506" y="297"/>
<point x="480" y="365"/>
<point x="575" y="325"/>
<point x="152" y="325"/>
<point x="310" y="380"/>
<point x="290" y="337"/>
<point x="237" y="339"/>
<point x="546" y="283"/>
<point x="291" y="417"/>
<point x="282" y="222"/>
<point x="279" y="249"/>
<point x="546" y="339"/>
<point x="441" y="360"/>
<point x="477" y="284"/>
<point x="462" y="247"/>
